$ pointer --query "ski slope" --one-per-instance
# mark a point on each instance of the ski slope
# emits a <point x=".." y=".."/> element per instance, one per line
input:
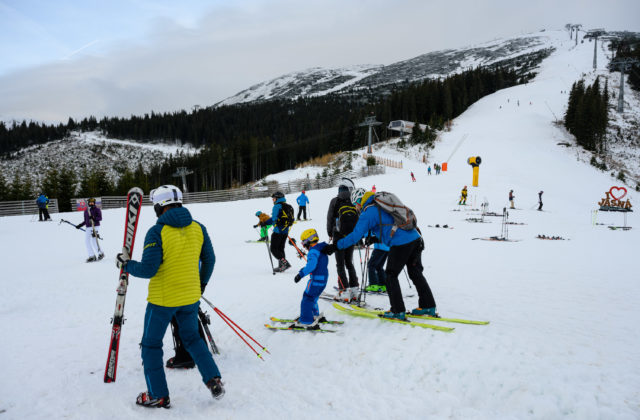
<point x="562" y="342"/>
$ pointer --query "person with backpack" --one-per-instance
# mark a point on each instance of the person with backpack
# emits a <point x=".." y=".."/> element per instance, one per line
<point x="463" y="197"/>
<point x="43" y="203"/>
<point x="178" y="257"/>
<point x="316" y="267"/>
<point x="92" y="218"/>
<point x="282" y="217"/>
<point x="341" y="219"/>
<point x="394" y="225"/>
<point x="264" y="228"/>
<point x="302" y="201"/>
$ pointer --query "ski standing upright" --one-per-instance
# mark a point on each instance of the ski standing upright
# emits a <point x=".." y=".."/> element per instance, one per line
<point x="134" y="204"/>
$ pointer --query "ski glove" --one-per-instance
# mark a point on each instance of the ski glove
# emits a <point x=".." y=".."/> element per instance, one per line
<point x="329" y="249"/>
<point x="297" y="278"/>
<point x="255" y="226"/>
<point x="371" y="240"/>
<point x="79" y="226"/>
<point x="202" y="287"/>
<point x="121" y="259"/>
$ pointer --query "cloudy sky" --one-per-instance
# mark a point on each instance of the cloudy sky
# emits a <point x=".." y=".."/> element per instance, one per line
<point x="93" y="57"/>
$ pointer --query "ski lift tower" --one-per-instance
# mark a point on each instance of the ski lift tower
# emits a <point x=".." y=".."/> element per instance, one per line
<point x="182" y="172"/>
<point x="369" y="122"/>
<point x="577" y="28"/>
<point x="595" y="34"/>
<point x="623" y="65"/>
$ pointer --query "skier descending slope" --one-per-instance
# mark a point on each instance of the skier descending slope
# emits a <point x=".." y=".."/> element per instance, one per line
<point x="405" y="249"/>
<point x="178" y="257"/>
<point x="316" y="266"/>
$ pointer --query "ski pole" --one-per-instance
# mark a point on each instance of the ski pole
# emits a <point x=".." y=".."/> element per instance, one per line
<point x="364" y="279"/>
<point x="68" y="222"/>
<point x="204" y="321"/>
<point x="229" y="322"/>
<point x="266" y="242"/>
<point x="406" y="276"/>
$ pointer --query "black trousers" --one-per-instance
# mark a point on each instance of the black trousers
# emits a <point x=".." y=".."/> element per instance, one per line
<point x="43" y="212"/>
<point x="182" y="355"/>
<point x="277" y="244"/>
<point x="344" y="259"/>
<point x="302" y="209"/>
<point x="409" y="255"/>
<point x="375" y="267"/>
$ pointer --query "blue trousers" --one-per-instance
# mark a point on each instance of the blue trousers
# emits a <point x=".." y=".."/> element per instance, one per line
<point x="156" y="320"/>
<point x="309" y="304"/>
<point x="375" y="267"/>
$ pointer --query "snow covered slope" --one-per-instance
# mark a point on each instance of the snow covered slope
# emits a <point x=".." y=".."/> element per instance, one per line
<point x="562" y="342"/>
<point x="520" y="52"/>
<point x="88" y="150"/>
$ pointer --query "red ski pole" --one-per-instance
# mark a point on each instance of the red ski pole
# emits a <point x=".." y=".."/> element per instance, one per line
<point x="231" y="325"/>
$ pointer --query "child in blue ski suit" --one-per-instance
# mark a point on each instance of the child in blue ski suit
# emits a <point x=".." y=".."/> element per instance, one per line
<point x="317" y="263"/>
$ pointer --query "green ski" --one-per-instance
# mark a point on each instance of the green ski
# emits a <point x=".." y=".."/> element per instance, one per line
<point x="366" y="314"/>
<point x="432" y="318"/>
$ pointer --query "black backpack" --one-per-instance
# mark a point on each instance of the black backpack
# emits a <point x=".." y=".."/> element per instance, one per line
<point x="347" y="217"/>
<point x="286" y="218"/>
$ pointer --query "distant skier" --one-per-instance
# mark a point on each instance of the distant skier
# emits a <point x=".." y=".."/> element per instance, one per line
<point x="429" y="170"/>
<point x="302" y="201"/>
<point x="282" y="218"/>
<point x="511" y="197"/>
<point x="373" y="188"/>
<point x="413" y="178"/>
<point x="540" y="200"/>
<point x="317" y="267"/>
<point x="264" y="228"/>
<point x="92" y="218"/>
<point x="405" y="249"/>
<point x="463" y="196"/>
<point x="43" y="203"/>
<point x="178" y="257"/>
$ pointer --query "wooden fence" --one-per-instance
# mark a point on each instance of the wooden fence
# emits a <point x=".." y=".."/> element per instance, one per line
<point x="15" y="208"/>
<point x="384" y="161"/>
<point x="250" y="192"/>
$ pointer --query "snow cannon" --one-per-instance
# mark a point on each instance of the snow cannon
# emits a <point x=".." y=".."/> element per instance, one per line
<point x="475" y="164"/>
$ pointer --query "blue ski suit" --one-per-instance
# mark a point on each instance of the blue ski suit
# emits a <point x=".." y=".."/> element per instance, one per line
<point x="317" y="263"/>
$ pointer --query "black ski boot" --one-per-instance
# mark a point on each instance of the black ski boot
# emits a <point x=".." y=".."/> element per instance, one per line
<point x="216" y="388"/>
<point x="146" y="400"/>
<point x="180" y="364"/>
<point x="91" y="259"/>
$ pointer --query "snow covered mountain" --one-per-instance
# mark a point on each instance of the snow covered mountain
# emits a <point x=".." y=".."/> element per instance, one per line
<point x="522" y="53"/>
<point x="562" y="342"/>
<point x="87" y="150"/>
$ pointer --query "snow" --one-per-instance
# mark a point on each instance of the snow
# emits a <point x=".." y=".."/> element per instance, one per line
<point x="562" y="342"/>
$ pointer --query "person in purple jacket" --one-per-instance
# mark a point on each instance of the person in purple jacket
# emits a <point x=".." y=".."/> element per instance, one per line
<point x="92" y="218"/>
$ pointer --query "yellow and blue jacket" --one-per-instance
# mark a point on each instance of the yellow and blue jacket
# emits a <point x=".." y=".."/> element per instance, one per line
<point x="178" y="257"/>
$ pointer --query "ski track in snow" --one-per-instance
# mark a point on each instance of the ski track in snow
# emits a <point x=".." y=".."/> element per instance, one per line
<point x="562" y="342"/>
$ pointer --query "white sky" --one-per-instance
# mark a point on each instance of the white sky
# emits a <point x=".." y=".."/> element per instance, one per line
<point x="116" y="58"/>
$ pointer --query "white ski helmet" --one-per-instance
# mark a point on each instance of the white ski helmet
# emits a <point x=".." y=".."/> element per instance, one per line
<point x="165" y="195"/>
<point x="347" y="183"/>
<point x="356" y="195"/>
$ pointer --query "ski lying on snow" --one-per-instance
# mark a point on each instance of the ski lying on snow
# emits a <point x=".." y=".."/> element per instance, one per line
<point x="275" y="328"/>
<point x="433" y="318"/>
<point x="291" y="321"/>
<point x="366" y="314"/>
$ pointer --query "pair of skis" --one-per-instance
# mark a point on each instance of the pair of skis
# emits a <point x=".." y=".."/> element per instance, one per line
<point x="293" y="328"/>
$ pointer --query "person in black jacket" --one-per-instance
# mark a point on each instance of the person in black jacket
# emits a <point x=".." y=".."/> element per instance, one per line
<point x="340" y="224"/>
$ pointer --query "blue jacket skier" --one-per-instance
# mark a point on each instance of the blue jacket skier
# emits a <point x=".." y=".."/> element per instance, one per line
<point x="43" y="203"/>
<point x="282" y="219"/>
<point x="316" y="267"/>
<point x="302" y="201"/>
<point x="178" y="258"/>
<point x="405" y="248"/>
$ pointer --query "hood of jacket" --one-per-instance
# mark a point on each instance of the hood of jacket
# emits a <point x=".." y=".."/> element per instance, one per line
<point x="176" y="217"/>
